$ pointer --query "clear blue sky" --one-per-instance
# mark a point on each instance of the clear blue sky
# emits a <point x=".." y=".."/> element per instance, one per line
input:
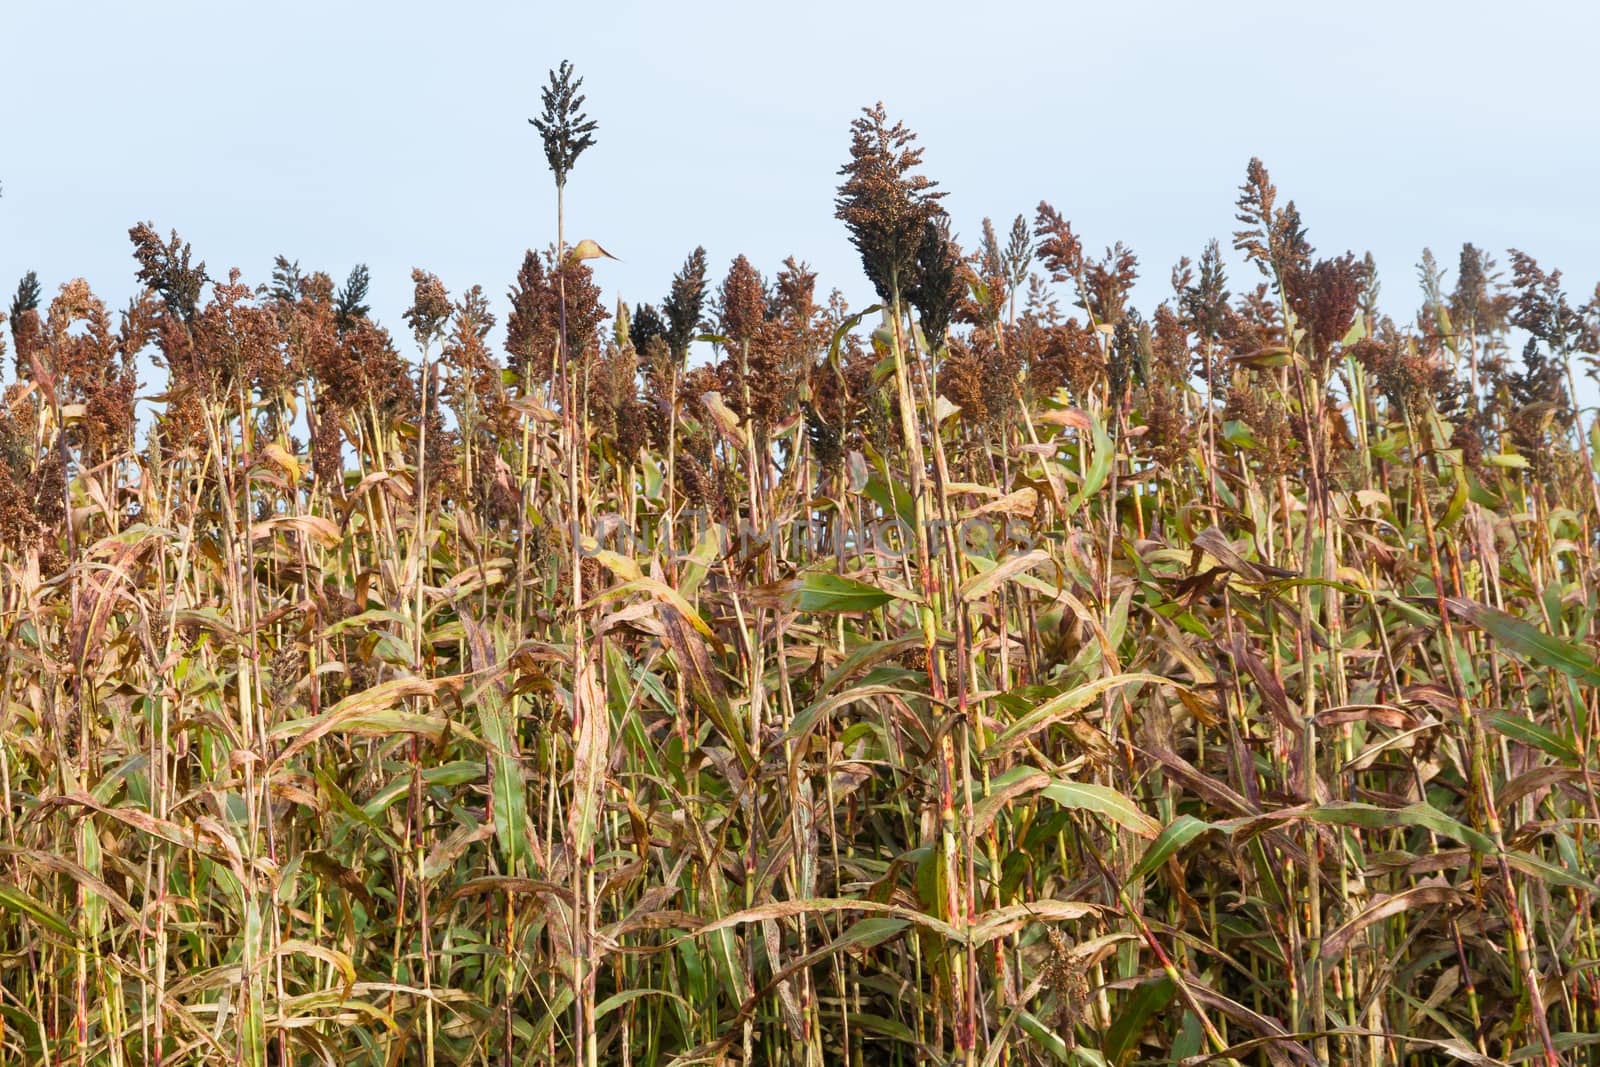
<point x="396" y="133"/>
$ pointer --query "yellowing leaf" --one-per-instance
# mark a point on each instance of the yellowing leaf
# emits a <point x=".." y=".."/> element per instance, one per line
<point x="587" y="249"/>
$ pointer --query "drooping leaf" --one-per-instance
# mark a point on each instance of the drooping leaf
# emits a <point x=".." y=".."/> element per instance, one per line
<point x="1383" y="907"/>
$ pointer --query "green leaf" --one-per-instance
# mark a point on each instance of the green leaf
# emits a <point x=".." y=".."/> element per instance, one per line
<point x="1064" y="704"/>
<point x="1182" y="830"/>
<point x="617" y="1000"/>
<point x="981" y="585"/>
<point x="1519" y="728"/>
<point x="1422" y="815"/>
<point x="1352" y="813"/>
<point x="878" y="1024"/>
<point x="1357" y="330"/>
<point x="1458" y="502"/>
<point x="1047" y="1038"/>
<point x="15" y="900"/>
<point x="1238" y="434"/>
<point x="895" y="499"/>
<point x="1099" y="468"/>
<point x="385" y="646"/>
<point x="505" y="776"/>
<point x="498" y="721"/>
<point x="844" y="329"/>
<point x="372" y="615"/>
<point x="1103" y="801"/>
<point x="1528" y="641"/>
<point x="1122" y="1038"/>
<point x="823" y="591"/>
<point x="1018" y="781"/>
<point x="816" y="713"/>
<point x="370" y="711"/>
<point x="1545" y="871"/>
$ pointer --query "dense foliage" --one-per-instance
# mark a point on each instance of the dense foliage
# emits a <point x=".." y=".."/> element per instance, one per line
<point x="962" y="680"/>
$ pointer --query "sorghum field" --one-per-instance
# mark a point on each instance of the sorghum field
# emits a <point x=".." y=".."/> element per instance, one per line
<point x="999" y="674"/>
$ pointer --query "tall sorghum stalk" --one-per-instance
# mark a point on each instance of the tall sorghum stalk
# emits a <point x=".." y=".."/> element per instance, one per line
<point x="567" y="132"/>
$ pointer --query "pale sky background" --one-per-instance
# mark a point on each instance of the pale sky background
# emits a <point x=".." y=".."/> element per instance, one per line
<point x="396" y="133"/>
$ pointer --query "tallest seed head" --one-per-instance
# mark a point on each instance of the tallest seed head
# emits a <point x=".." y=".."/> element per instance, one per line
<point x="566" y="130"/>
<point x="684" y="304"/>
<point x="884" y="205"/>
